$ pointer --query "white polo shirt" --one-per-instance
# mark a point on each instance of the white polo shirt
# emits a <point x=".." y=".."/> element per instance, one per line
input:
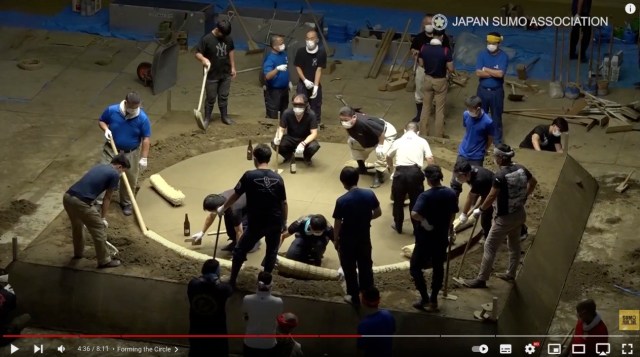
<point x="410" y="150"/>
<point x="263" y="310"/>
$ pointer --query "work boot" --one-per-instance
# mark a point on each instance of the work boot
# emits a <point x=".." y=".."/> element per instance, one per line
<point x="475" y="283"/>
<point x="362" y="168"/>
<point x="224" y="116"/>
<point x="127" y="210"/>
<point x="229" y="247"/>
<point x="112" y="264"/>
<point x="205" y="123"/>
<point x="420" y="305"/>
<point x="354" y="301"/>
<point x="397" y="227"/>
<point x="378" y="179"/>
<point x="432" y="307"/>
<point x="418" y="112"/>
<point x="504" y="276"/>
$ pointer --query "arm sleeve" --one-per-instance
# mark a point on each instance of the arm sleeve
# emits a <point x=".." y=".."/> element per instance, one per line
<point x="498" y="180"/>
<point x="446" y="42"/>
<point x="415" y="43"/>
<point x="146" y="128"/>
<point x="201" y="46"/>
<point x="419" y="206"/>
<point x="479" y="61"/>
<point x="448" y="53"/>
<point x="427" y="149"/>
<point x="503" y="63"/>
<point x="293" y="227"/>
<point x="313" y="120"/>
<point x="268" y="65"/>
<point x="297" y="60"/>
<point x="322" y="59"/>
<point x="453" y="208"/>
<point x="393" y="149"/>
<point x="105" y="117"/>
<point x="230" y="44"/>
<point x="282" y="192"/>
<point x="540" y="130"/>
<point x="376" y="126"/>
<point x="114" y="181"/>
<point x="337" y="211"/>
<point x="240" y="188"/>
<point x="374" y="201"/>
<point x="283" y="119"/>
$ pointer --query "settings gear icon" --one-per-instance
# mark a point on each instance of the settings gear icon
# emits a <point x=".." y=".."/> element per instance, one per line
<point x="529" y="349"/>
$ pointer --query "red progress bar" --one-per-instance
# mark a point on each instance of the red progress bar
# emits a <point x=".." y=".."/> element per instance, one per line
<point x="176" y="336"/>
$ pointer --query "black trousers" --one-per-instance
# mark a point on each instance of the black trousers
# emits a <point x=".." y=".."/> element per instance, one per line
<point x="315" y="103"/>
<point x="288" y="145"/>
<point x="434" y="250"/>
<point x="356" y="254"/>
<point x="216" y="89"/>
<point x="308" y="250"/>
<point x="249" y="239"/>
<point x="584" y="43"/>
<point x="454" y="184"/>
<point x="407" y="180"/>
<point x="276" y="100"/>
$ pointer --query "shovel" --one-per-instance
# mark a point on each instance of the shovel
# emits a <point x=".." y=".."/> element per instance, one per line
<point x="457" y="278"/>
<point x="253" y="46"/>
<point x="197" y="112"/>
<point x="411" y="85"/>
<point x="513" y="96"/>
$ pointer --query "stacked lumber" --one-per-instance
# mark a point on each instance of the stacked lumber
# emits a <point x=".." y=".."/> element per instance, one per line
<point x="378" y="60"/>
<point x="589" y="112"/>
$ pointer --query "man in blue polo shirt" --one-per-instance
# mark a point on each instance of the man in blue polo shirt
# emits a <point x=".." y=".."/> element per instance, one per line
<point x="436" y="61"/>
<point x="477" y="137"/>
<point x="276" y="74"/>
<point x="491" y="67"/>
<point x="128" y="125"/>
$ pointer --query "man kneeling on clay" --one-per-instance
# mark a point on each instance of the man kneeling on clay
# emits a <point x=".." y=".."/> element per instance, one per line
<point x="235" y="221"/>
<point x="312" y="233"/>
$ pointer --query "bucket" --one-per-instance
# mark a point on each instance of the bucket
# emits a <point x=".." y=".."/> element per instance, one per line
<point x="603" y="87"/>
<point x="338" y="32"/>
<point x="591" y="88"/>
<point x="572" y="91"/>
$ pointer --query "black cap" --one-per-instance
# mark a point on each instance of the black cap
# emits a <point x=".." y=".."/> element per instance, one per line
<point x="433" y="173"/>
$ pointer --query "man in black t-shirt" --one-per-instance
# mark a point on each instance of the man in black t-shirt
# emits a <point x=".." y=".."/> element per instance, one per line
<point x="546" y="137"/>
<point x="366" y="134"/>
<point x="235" y="220"/>
<point x="423" y="38"/>
<point x="512" y="185"/>
<point x="216" y="52"/>
<point x="309" y="62"/>
<point x="298" y="131"/>
<point x="313" y="233"/>
<point x="207" y="311"/>
<point x="267" y="211"/>
<point x="480" y="179"/>
<point x="435" y="209"/>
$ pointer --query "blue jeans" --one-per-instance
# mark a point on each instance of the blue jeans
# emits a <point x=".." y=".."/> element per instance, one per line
<point x="493" y="104"/>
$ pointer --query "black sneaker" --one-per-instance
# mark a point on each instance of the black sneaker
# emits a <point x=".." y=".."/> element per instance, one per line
<point x="420" y="305"/>
<point x="396" y="227"/>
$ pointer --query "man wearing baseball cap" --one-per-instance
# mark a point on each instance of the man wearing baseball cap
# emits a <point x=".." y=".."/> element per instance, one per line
<point x="287" y="346"/>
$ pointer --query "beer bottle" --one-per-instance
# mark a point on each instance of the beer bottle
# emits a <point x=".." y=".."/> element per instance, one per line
<point x="292" y="167"/>
<point x="250" y="151"/>
<point x="187" y="225"/>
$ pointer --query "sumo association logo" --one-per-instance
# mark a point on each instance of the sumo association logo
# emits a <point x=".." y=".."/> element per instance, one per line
<point x="440" y="22"/>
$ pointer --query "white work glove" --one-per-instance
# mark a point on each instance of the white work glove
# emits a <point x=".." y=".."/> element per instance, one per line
<point x="276" y="140"/>
<point x="314" y="93"/>
<point x="282" y="68"/>
<point x="463" y="218"/>
<point x="198" y="236"/>
<point x="220" y="212"/>
<point x="143" y="163"/>
<point x="380" y="152"/>
<point x="300" y="149"/>
<point x="308" y="84"/>
<point x="477" y="212"/>
<point x="425" y="224"/>
<point x="106" y="224"/>
<point x="107" y="135"/>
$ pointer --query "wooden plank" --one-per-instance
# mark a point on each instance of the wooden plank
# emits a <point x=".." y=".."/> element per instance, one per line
<point x="617" y="126"/>
<point x="630" y="113"/>
<point x="577" y="107"/>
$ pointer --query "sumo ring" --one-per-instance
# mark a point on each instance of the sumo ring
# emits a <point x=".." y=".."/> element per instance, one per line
<point x="30" y="64"/>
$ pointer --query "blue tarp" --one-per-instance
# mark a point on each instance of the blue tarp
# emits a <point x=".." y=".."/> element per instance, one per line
<point x="527" y="45"/>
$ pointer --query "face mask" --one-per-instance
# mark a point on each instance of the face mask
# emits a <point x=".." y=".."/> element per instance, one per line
<point x="472" y="114"/>
<point x="492" y="48"/>
<point x="308" y="231"/>
<point x="311" y="45"/>
<point x="132" y="113"/>
<point x="281" y="48"/>
<point x="348" y="124"/>
<point x="557" y="133"/>
<point x="298" y="111"/>
<point x="428" y="28"/>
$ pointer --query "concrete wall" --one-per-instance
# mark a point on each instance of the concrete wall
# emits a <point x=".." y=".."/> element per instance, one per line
<point x="531" y="304"/>
<point x="94" y="302"/>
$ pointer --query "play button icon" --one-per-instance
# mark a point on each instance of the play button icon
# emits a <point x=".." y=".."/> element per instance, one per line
<point x="14" y="349"/>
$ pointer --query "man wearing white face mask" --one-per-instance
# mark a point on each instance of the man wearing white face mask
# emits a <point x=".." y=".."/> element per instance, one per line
<point x="546" y="137"/>
<point x="491" y="68"/>
<point x="313" y="234"/>
<point x="309" y="62"/>
<point x="366" y="134"/>
<point x="423" y="38"/>
<point x="298" y="131"/>
<point x="276" y="74"/>
<point x="128" y="125"/>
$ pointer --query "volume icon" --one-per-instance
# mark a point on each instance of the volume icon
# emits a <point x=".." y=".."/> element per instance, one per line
<point x="61" y="349"/>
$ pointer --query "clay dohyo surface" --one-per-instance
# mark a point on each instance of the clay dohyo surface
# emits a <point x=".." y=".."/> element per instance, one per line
<point x="144" y="257"/>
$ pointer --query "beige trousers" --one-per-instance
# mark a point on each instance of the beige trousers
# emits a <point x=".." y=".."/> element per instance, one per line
<point x="361" y="153"/>
<point x="433" y="89"/>
<point x="81" y="214"/>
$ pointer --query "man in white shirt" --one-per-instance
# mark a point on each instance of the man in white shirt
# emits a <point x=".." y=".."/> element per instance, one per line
<point x="410" y="153"/>
<point x="261" y="312"/>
